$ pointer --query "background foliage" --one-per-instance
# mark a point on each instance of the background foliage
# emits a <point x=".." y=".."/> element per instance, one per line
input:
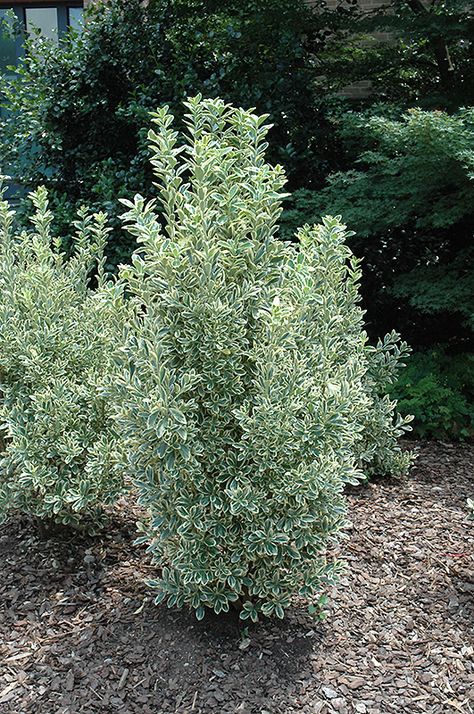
<point x="438" y="389"/>
<point x="79" y="113"/>
<point x="410" y="199"/>
<point x="415" y="52"/>
<point x="396" y="163"/>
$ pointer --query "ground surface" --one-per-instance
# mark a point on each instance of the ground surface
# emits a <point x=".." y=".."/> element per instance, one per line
<point x="78" y="634"/>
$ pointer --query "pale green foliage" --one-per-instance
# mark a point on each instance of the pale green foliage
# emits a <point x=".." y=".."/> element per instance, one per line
<point x="243" y="395"/>
<point x="379" y="452"/>
<point x="56" y="339"/>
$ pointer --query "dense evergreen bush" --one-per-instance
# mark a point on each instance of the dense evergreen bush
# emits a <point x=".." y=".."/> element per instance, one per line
<point x="56" y="341"/>
<point x="245" y="391"/>
<point x="78" y="113"/>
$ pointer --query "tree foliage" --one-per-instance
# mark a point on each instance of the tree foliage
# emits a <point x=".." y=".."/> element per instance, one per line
<point x="438" y="389"/>
<point x="413" y="51"/>
<point x="410" y="200"/>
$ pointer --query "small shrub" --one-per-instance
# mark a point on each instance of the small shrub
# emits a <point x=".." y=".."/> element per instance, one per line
<point x="379" y="452"/>
<point x="438" y="389"/>
<point x="56" y="337"/>
<point x="243" y="394"/>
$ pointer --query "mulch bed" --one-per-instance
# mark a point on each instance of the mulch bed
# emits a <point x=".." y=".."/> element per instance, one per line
<point x="79" y="632"/>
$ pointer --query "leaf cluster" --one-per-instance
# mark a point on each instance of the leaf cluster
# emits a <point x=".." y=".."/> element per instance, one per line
<point x="56" y="340"/>
<point x="437" y="387"/>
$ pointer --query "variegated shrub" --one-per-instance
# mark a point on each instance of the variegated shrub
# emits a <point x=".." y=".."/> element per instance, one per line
<point x="56" y="342"/>
<point x="243" y="395"/>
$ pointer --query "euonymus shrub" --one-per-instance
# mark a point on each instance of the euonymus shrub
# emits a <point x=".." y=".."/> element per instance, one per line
<point x="56" y="340"/>
<point x="243" y="395"/>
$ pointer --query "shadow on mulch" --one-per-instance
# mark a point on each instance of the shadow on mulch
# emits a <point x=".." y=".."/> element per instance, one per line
<point x="88" y="637"/>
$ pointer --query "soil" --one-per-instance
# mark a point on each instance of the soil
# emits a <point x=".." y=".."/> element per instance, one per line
<point x="79" y="632"/>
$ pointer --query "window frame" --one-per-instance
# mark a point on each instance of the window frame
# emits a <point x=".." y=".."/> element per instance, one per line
<point x="45" y="6"/>
<point x="61" y="7"/>
<point x="70" y="7"/>
<point x="22" y="4"/>
<point x="20" y="7"/>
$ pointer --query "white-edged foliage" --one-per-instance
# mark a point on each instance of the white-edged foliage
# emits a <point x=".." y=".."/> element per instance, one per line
<point x="56" y="342"/>
<point x="243" y="395"/>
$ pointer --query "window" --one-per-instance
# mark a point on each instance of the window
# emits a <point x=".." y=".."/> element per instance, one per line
<point x="75" y="18"/>
<point x="52" y="22"/>
<point x="44" y="19"/>
<point x="8" y="49"/>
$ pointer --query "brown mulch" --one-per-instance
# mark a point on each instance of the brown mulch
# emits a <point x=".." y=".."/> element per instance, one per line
<point x="79" y="632"/>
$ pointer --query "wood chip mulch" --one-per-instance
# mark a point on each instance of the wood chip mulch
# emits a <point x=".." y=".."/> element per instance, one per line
<point x="79" y="632"/>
